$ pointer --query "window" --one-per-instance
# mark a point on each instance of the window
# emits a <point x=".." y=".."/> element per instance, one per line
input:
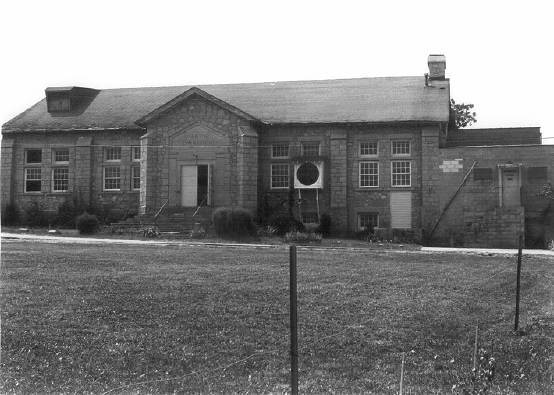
<point x="112" y="178"/>
<point x="113" y="153"/>
<point x="279" y="175"/>
<point x="369" y="174"/>
<point x="310" y="148"/>
<point x="401" y="173"/>
<point x="280" y="151"/>
<point x="401" y="147"/>
<point x="33" y="179"/>
<point x="61" y="156"/>
<point x="60" y="179"/>
<point x="537" y="174"/>
<point x="368" y="148"/>
<point x="136" y="153"/>
<point x="309" y="218"/>
<point x="368" y="221"/>
<point x="135" y="177"/>
<point x="483" y="173"/>
<point x="62" y="104"/>
<point x="33" y="156"/>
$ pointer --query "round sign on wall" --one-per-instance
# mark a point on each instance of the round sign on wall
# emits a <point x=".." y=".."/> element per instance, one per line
<point x="307" y="173"/>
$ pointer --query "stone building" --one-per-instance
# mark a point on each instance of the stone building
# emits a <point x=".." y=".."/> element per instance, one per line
<point x="370" y="152"/>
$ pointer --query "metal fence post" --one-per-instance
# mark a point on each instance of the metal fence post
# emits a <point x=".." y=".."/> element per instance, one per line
<point x="293" y="324"/>
<point x="516" y="324"/>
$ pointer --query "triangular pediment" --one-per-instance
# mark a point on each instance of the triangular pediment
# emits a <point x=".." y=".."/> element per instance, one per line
<point x="198" y="134"/>
<point x="188" y="94"/>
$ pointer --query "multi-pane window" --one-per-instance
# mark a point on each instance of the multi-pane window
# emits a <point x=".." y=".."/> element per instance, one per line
<point x="368" y="221"/>
<point x="368" y="148"/>
<point x="113" y="153"/>
<point x="33" y="179"/>
<point x="279" y="175"/>
<point x="136" y="153"/>
<point x="309" y="218"/>
<point x="61" y="156"/>
<point x="135" y="177"/>
<point x="280" y="151"/>
<point x="33" y="156"/>
<point x="401" y="173"/>
<point x="369" y="174"/>
<point x="112" y="178"/>
<point x="310" y="148"/>
<point x="60" y="179"/>
<point x="401" y="147"/>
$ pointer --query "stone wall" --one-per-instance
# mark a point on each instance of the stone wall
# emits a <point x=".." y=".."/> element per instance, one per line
<point x="85" y="168"/>
<point x="199" y="132"/>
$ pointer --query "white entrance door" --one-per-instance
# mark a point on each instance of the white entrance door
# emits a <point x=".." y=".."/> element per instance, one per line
<point x="401" y="210"/>
<point x="189" y="186"/>
<point x="510" y="187"/>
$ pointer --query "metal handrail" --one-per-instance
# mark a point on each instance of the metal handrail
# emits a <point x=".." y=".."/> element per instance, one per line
<point x="160" y="210"/>
<point x="198" y="208"/>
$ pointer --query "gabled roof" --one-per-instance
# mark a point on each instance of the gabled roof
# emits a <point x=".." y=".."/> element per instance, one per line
<point x="390" y="99"/>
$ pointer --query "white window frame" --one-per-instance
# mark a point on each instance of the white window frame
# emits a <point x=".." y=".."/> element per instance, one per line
<point x="271" y="176"/>
<point x="392" y="173"/>
<point x="54" y="179"/>
<point x="409" y="153"/>
<point x="133" y="168"/>
<point x="27" y="156"/>
<point x="60" y="162"/>
<point x="360" y="174"/>
<point x="303" y="143"/>
<point x="106" y="155"/>
<point x="104" y="178"/>
<point x="360" y="228"/>
<point x="33" y="179"/>
<point x="280" y="145"/>
<point x="375" y="155"/>
<point x="310" y="214"/>
<point x="134" y="150"/>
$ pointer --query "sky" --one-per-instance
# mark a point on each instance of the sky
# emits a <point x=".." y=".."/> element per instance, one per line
<point x="498" y="54"/>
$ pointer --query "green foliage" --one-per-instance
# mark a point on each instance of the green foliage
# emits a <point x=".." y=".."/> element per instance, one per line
<point x="285" y="223"/>
<point x="10" y="216"/>
<point x="233" y="222"/>
<point x="35" y="216"/>
<point x="87" y="223"/>
<point x="150" y="232"/>
<point x="481" y="378"/>
<point x="461" y="115"/>
<point x="548" y="191"/>
<point x="324" y="224"/>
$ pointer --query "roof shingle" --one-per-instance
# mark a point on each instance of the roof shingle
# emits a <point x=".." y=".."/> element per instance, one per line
<point x="390" y="99"/>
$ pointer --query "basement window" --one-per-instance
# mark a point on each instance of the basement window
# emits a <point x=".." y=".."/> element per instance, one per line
<point x="309" y="218"/>
<point x="482" y="174"/>
<point x="368" y="221"/>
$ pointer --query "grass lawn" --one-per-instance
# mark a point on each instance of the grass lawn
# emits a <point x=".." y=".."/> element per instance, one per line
<point x="97" y="318"/>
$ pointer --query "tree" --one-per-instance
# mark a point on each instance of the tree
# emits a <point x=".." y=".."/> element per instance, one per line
<point x="461" y="115"/>
<point x="548" y="191"/>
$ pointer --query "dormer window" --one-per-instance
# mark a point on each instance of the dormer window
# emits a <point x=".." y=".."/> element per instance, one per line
<point x="61" y="104"/>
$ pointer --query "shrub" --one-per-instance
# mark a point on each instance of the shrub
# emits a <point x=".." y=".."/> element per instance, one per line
<point x="87" y="223"/>
<point x="10" y="216"/>
<point x="66" y="214"/>
<point x="324" y="224"/>
<point x="296" y="236"/>
<point x="34" y="216"/>
<point x="285" y="223"/>
<point x="233" y="222"/>
<point x="150" y="232"/>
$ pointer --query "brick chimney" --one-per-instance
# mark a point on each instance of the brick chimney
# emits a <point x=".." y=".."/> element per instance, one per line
<point x="437" y="67"/>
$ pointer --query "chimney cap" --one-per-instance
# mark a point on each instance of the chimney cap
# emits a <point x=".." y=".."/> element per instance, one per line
<point x="436" y="58"/>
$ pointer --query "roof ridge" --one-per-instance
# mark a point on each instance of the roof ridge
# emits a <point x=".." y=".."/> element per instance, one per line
<point x="187" y="86"/>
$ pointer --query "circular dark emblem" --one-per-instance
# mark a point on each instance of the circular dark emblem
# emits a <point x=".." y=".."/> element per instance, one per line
<point x="307" y="173"/>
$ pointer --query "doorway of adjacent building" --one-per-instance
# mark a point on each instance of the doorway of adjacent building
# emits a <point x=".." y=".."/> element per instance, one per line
<point x="194" y="185"/>
<point x="511" y="195"/>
